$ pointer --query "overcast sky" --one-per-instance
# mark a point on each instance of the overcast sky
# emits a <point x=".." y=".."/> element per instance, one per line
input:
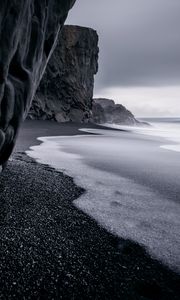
<point x="139" y="41"/>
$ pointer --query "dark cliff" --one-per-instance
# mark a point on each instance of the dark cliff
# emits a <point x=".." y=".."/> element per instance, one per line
<point x="106" y="111"/>
<point x="66" y="90"/>
<point x="28" y="34"/>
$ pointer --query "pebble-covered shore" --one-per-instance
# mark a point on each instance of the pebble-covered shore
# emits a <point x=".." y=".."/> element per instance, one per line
<point x="51" y="250"/>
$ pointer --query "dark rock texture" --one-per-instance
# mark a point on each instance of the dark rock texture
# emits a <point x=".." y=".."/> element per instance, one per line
<point x="66" y="90"/>
<point x="51" y="250"/>
<point x="106" y="111"/>
<point x="28" y="34"/>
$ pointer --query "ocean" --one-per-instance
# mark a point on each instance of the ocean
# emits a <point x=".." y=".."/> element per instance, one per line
<point x="166" y="128"/>
<point x="131" y="178"/>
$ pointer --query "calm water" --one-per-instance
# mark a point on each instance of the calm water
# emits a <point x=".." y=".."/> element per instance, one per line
<point x="167" y="128"/>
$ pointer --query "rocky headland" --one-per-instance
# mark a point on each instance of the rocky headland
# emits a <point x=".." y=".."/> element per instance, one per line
<point x="106" y="111"/>
<point x="66" y="90"/>
<point x="65" y="93"/>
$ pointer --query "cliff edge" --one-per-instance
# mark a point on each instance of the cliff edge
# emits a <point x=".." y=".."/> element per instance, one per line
<point x="66" y="90"/>
<point x="65" y="93"/>
<point x="28" y="35"/>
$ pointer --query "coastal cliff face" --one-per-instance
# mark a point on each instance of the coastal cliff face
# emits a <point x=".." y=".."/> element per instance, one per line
<point x="28" y="34"/>
<point x="106" y="111"/>
<point x="66" y="90"/>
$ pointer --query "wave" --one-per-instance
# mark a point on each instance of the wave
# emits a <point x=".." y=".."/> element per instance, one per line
<point x="161" y="120"/>
<point x="165" y="130"/>
<point x="127" y="208"/>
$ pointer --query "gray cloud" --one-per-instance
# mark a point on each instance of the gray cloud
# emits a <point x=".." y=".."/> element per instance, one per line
<point x="139" y="40"/>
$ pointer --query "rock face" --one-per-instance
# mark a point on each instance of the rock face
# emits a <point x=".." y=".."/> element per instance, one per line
<point x="28" y="34"/>
<point x="106" y="111"/>
<point x="66" y="90"/>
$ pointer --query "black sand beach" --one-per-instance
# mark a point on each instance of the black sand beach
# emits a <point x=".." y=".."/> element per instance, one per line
<point x="52" y="250"/>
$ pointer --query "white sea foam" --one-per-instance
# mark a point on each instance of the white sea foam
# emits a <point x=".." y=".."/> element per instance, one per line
<point x="123" y="207"/>
<point x="170" y="131"/>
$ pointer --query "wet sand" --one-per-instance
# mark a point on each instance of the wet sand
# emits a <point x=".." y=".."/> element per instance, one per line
<point x="52" y="250"/>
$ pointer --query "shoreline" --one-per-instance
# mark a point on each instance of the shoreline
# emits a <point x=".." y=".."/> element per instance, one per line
<point x="52" y="249"/>
<point x="126" y="208"/>
<point x="31" y="129"/>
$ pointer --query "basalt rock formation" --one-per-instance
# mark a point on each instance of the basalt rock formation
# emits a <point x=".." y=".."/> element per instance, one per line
<point x="106" y="111"/>
<point x="28" y="34"/>
<point x="66" y="90"/>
